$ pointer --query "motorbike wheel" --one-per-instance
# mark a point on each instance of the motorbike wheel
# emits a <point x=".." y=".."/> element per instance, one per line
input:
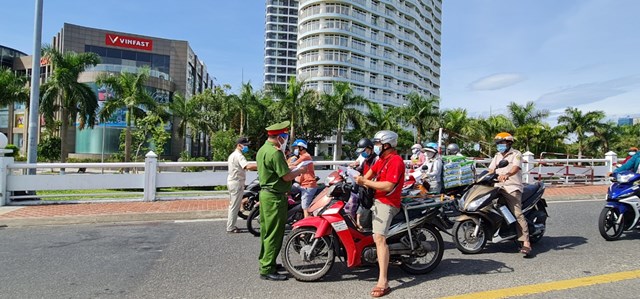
<point x="539" y="218"/>
<point x="467" y="244"/>
<point x="246" y="207"/>
<point x="608" y="224"/>
<point x="253" y="221"/>
<point x="307" y="258"/>
<point x="428" y="254"/>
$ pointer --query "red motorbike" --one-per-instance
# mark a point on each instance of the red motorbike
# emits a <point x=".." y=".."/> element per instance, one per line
<point x="309" y="251"/>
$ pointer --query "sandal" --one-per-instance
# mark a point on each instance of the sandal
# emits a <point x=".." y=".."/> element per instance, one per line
<point x="234" y="231"/>
<point x="379" y="292"/>
<point x="525" y="250"/>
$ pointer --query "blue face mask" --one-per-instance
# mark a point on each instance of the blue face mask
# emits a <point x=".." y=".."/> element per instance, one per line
<point x="245" y="149"/>
<point x="296" y="152"/>
<point x="364" y="154"/>
<point x="502" y="148"/>
<point x="377" y="149"/>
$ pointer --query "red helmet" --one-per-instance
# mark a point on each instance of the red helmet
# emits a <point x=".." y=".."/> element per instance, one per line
<point x="503" y="136"/>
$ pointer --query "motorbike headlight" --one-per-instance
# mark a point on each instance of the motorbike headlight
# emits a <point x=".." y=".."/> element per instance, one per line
<point x="474" y="205"/>
<point x="624" y="177"/>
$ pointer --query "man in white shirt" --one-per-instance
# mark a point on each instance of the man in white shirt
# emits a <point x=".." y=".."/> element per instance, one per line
<point x="235" y="181"/>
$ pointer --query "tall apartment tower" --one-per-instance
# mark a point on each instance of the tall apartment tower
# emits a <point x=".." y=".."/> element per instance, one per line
<point x="384" y="48"/>
<point x="280" y="41"/>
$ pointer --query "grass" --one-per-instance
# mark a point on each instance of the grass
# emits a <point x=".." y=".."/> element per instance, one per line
<point x="94" y="194"/>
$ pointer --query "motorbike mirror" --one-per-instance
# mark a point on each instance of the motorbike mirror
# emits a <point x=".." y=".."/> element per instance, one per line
<point x="425" y="167"/>
<point x="503" y="164"/>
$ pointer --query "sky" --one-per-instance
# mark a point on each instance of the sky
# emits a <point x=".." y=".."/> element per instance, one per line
<point x="569" y="53"/>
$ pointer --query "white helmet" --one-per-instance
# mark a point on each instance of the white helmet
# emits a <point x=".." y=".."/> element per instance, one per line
<point x="386" y="136"/>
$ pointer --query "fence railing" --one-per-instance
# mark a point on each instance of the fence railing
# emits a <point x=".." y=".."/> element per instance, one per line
<point x="142" y="180"/>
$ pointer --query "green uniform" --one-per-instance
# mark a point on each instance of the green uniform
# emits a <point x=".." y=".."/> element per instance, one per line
<point x="272" y="166"/>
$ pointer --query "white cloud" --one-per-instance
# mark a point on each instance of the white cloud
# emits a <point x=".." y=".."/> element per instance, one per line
<point x="588" y="93"/>
<point x="497" y="81"/>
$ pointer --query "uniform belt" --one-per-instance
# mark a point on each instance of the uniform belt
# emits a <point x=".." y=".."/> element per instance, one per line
<point x="273" y="191"/>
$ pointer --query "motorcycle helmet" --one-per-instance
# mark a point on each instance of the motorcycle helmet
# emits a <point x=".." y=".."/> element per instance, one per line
<point x="363" y="144"/>
<point x="386" y="136"/>
<point x="453" y="149"/>
<point x="503" y="136"/>
<point x="300" y="143"/>
<point x="432" y="145"/>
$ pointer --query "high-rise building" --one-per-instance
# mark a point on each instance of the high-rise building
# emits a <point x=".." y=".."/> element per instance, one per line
<point x="385" y="49"/>
<point x="281" y="32"/>
<point x="625" y="121"/>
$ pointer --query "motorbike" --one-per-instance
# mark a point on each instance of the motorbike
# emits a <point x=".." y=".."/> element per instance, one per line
<point x="249" y="199"/>
<point x="310" y="249"/>
<point x="486" y="217"/>
<point x="622" y="211"/>
<point x="294" y="212"/>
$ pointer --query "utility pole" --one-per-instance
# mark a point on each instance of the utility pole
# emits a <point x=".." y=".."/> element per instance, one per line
<point x="34" y="114"/>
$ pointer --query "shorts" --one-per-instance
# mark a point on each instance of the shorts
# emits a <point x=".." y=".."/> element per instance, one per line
<point x="382" y="217"/>
<point x="307" y="196"/>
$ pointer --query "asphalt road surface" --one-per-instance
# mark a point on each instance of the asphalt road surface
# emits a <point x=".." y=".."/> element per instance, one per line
<point x="199" y="260"/>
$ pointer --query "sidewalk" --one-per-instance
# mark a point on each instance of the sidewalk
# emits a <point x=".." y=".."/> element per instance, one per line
<point x="15" y="216"/>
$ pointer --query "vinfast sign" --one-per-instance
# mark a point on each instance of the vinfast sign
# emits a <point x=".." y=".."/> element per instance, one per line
<point x="128" y="42"/>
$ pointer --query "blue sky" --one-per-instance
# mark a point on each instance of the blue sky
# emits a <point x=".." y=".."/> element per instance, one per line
<point x="580" y="53"/>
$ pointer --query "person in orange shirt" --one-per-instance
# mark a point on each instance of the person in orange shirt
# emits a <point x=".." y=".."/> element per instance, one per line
<point x="308" y="183"/>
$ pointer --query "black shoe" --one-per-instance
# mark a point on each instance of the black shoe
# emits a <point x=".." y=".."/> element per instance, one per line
<point x="279" y="268"/>
<point x="274" y="277"/>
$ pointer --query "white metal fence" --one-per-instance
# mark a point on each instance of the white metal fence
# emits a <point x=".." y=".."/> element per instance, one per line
<point x="145" y="178"/>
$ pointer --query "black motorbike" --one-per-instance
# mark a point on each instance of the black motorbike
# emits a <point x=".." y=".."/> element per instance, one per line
<point x="294" y="212"/>
<point x="249" y="199"/>
<point x="485" y="215"/>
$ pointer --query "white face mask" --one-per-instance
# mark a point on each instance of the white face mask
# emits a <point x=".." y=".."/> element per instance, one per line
<point x="632" y="153"/>
<point x="283" y="145"/>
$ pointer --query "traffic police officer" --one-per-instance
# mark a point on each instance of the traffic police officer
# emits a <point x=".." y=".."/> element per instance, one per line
<point x="275" y="181"/>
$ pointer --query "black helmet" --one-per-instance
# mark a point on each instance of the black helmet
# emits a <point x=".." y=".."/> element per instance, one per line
<point x="364" y="143"/>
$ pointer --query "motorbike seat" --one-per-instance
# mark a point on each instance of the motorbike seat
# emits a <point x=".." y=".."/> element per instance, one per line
<point x="528" y="194"/>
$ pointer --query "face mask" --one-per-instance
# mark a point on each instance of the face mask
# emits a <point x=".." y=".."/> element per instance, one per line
<point x="364" y="154"/>
<point x="632" y="153"/>
<point x="415" y="151"/>
<point x="283" y="145"/>
<point x="377" y="149"/>
<point x="296" y="152"/>
<point x="502" y="148"/>
<point x="430" y="155"/>
<point x="245" y="149"/>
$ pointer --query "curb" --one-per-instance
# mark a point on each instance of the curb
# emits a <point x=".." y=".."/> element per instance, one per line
<point x="113" y="218"/>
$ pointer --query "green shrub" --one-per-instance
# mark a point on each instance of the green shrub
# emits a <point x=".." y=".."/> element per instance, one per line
<point x="16" y="151"/>
<point x="49" y="149"/>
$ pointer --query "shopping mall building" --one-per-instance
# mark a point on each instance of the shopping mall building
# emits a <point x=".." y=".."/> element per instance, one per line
<point x="174" y="68"/>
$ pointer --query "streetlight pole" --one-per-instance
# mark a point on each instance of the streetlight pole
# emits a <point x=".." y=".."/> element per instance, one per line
<point x="34" y="115"/>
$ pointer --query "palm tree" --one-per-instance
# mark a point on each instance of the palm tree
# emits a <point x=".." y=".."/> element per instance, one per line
<point x="574" y="122"/>
<point x="185" y="111"/>
<point x="527" y="121"/>
<point x="290" y="100"/>
<point x="489" y="127"/>
<point x="458" y="126"/>
<point x="421" y="113"/>
<point x="131" y="95"/>
<point x="12" y="88"/>
<point x="62" y="92"/>
<point x="246" y="98"/>
<point x="342" y="106"/>
<point x="605" y="134"/>
<point x="378" y="118"/>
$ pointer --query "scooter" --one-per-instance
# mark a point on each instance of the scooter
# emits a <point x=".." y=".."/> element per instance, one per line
<point x="622" y="211"/>
<point x="249" y="198"/>
<point x="486" y="217"/>
<point x="294" y="212"/>
<point x="309" y="251"/>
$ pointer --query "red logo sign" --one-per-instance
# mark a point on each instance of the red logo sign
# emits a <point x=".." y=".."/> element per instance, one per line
<point x="128" y="42"/>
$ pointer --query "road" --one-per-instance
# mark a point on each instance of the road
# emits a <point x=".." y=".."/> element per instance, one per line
<point x="199" y="260"/>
